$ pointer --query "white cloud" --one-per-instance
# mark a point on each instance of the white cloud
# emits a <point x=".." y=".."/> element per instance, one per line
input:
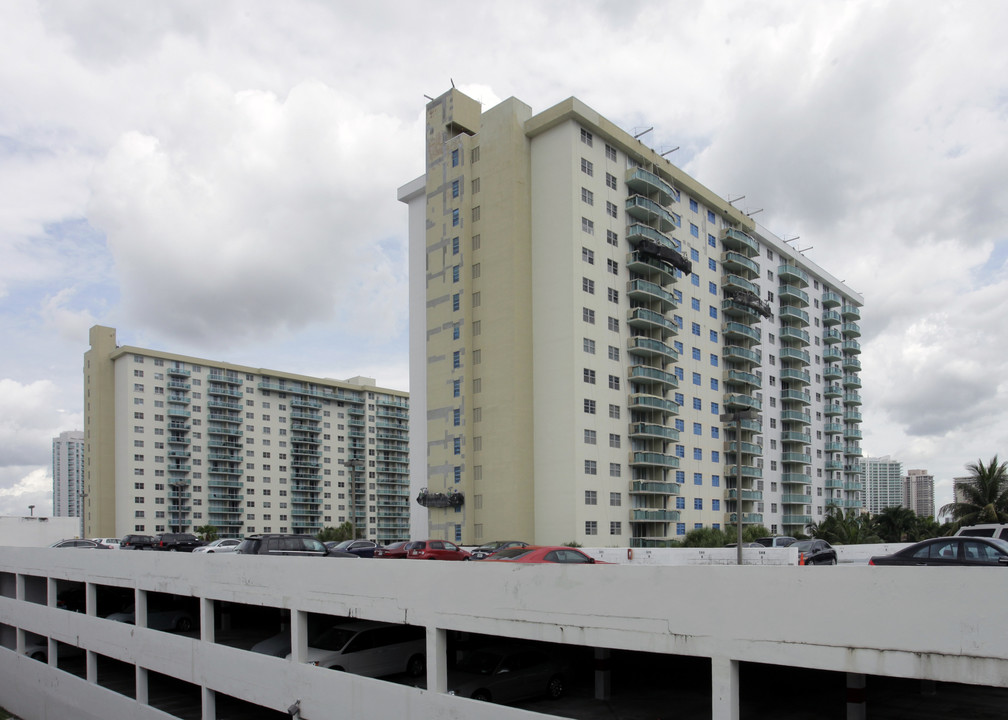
<point x="24" y="486"/>
<point x="30" y="417"/>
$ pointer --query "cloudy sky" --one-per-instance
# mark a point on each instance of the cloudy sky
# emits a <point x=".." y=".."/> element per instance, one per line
<point x="219" y="179"/>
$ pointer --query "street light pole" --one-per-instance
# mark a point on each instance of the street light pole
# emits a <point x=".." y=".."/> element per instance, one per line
<point x="737" y="417"/>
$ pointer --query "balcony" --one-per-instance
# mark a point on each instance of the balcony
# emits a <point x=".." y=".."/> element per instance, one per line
<point x="790" y="312"/>
<point x="636" y="232"/>
<point x="737" y="282"/>
<point x="172" y="411"/>
<point x="831" y="336"/>
<point x="850" y="362"/>
<point x="648" y="211"/>
<point x="834" y="465"/>
<point x="225" y="470"/>
<point x="653" y="487"/>
<point x="740" y="354"/>
<point x="796" y="499"/>
<point x="851" y="346"/>
<point x="179" y="454"/>
<point x="736" y="329"/>
<point x="747" y="448"/>
<point x="830" y="317"/>
<point x="852" y="398"/>
<point x="646" y="265"/>
<point x="796" y="416"/>
<point x="831" y="299"/>
<point x="647" y="183"/>
<point x="653" y="515"/>
<point x="851" y="329"/>
<point x="851" y="381"/>
<point x="748" y="471"/>
<point x="223" y="483"/>
<point x="643" y="401"/>
<point x="739" y="263"/>
<point x="798" y="437"/>
<point x="796" y="458"/>
<point x="223" y="405"/>
<point x="832" y="409"/>
<point x="853" y="486"/>
<point x="833" y="391"/>
<point x="178" y="440"/>
<point x="228" y="378"/>
<point x="790" y="292"/>
<point x="792" y="272"/>
<point x="747" y="518"/>
<point x="653" y="459"/>
<point x="738" y="240"/>
<point x="851" y="312"/>
<point x="652" y="376"/>
<point x="739" y="401"/>
<point x="833" y="427"/>
<point x="223" y="430"/>
<point x="851" y="433"/>
<point x="852" y="451"/>
<point x="652" y="431"/>
<point x="833" y="446"/>
<point x="650" y="348"/>
<point x="832" y="372"/>
<point x="831" y="353"/>
<point x="834" y="484"/>
<point x="791" y="333"/>
<point x="646" y="291"/>
<point x="799" y="356"/>
<point x="743" y="378"/>
<point x="225" y="391"/>
<point x="802" y="520"/>
<point x="747" y="495"/>
<point x="177" y="372"/>
<point x="796" y="396"/>
<point x="796" y="479"/>
<point x="178" y="385"/>
<point x="732" y="308"/>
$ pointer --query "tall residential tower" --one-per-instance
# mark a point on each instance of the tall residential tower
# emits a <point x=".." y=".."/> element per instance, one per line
<point x="583" y="313"/>
<point x="68" y="473"/>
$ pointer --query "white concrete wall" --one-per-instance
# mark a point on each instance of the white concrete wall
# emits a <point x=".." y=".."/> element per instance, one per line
<point x="37" y="531"/>
<point x="833" y="618"/>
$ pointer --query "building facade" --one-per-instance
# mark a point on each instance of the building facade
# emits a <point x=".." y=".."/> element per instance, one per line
<point x="172" y="443"/>
<point x="68" y="473"/>
<point x="883" y="478"/>
<point x="918" y="492"/>
<point x="588" y="314"/>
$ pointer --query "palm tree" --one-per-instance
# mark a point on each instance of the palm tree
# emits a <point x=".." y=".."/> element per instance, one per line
<point x="840" y="528"/>
<point x="207" y="533"/>
<point x="895" y="523"/>
<point x="985" y="494"/>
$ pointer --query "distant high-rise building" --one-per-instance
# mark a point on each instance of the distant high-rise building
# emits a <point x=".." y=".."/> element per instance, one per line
<point x="883" y="478"/>
<point x="68" y="473"/>
<point x="918" y="492"/>
<point x="583" y="313"/>
<point x="175" y="442"/>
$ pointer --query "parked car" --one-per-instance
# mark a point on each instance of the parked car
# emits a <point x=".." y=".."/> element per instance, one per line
<point x="177" y="542"/>
<point x="136" y="542"/>
<point x="394" y="550"/>
<point x="506" y="674"/>
<point x="816" y="552"/>
<point x="995" y="530"/>
<point x="168" y="620"/>
<point x="373" y="649"/>
<point x="544" y="554"/>
<point x="223" y="545"/>
<point x="277" y="544"/>
<point x="363" y="548"/>
<point x="962" y="550"/>
<point x="488" y="549"/>
<point x="437" y="550"/>
<point x="776" y="541"/>
<point x="108" y="542"/>
<point x="79" y="543"/>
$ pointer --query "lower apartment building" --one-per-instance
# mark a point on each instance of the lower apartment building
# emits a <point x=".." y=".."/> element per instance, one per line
<point x="584" y="314"/>
<point x="172" y="443"/>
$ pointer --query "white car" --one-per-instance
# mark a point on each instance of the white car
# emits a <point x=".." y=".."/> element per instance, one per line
<point x="372" y="649"/>
<point x="111" y="542"/>
<point x="167" y="620"/>
<point x="224" y="545"/>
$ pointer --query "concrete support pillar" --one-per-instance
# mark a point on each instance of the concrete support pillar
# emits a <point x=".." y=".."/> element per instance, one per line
<point x="209" y="704"/>
<point x="142" y="695"/>
<point x="724" y="688"/>
<point x="299" y="636"/>
<point x="206" y="620"/>
<point x="603" y="674"/>
<point x="19" y="587"/>
<point x="856" y="705"/>
<point x="140" y="607"/>
<point x="91" y="667"/>
<point x="91" y="599"/>
<point x="437" y="660"/>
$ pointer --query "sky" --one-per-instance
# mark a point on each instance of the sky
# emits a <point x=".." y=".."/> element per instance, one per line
<point x="219" y="180"/>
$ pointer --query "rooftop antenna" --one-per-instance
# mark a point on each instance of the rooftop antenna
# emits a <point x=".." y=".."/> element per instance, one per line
<point x="802" y="250"/>
<point x="452" y="82"/>
<point x="643" y="132"/>
<point x="793" y="239"/>
<point x="669" y="152"/>
<point x="750" y="214"/>
<point x="428" y="97"/>
<point x="740" y="197"/>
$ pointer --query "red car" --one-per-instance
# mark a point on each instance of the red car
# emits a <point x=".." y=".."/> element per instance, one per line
<point x="394" y="550"/>
<point x="544" y="554"/>
<point x="437" y="550"/>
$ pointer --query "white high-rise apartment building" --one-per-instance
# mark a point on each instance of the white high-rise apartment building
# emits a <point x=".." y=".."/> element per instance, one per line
<point x="918" y="492"/>
<point x="175" y="442"/>
<point x="583" y="313"/>
<point x="883" y="483"/>
<point x="68" y="473"/>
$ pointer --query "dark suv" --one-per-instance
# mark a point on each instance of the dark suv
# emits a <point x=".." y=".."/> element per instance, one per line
<point x="275" y="544"/>
<point x="177" y="542"/>
<point x="136" y="542"/>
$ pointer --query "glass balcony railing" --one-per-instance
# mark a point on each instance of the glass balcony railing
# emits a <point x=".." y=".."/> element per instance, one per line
<point x="738" y="240"/>
<point x="645" y="290"/>
<point x="851" y="330"/>
<point x="831" y="299"/>
<point x="851" y="312"/>
<point x="652" y="376"/>
<point x="796" y="354"/>
<point x="744" y="378"/>
<point x="656" y="515"/>
<point x="792" y="272"/>
<point x="795" y="314"/>
<point x="740" y="354"/>
<point x="739" y="263"/>
<point x="798" y="437"/>
<point x="790" y="292"/>
<point x="653" y="487"/>
<point x="648" y="211"/>
<point x="652" y="430"/>
<point x="645" y="319"/>
<point x="796" y="479"/>
<point x="796" y="499"/>
<point x="736" y="329"/>
<point x="636" y="232"/>
<point x="796" y="416"/>
<point x="647" y="183"/>
<point x="831" y="335"/>
<point x="649" y="347"/>
<point x="653" y="459"/>
<point x="830" y="317"/>
<point x="797" y="376"/>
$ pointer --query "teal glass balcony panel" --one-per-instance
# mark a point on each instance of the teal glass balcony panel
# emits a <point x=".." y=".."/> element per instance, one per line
<point x="739" y="401"/>
<point x="177" y="482"/>
<point x="229" y="378"/>
<point x="748" y="448"/>
<point x="754" y="425"/>
<point x="179" y="454"/>
<point x="851" y="312"/>
<point x="178" y="385"/>
<point x="636" y="232"/>
<point x="796" y="458"/>
<point x="796" y="396"/>
<point x="831" y="353"/>
<point x="802" y="357"/>
<point x="653" y="515"/>
<point x="738" y="240"/>
<point x="740" y="354"/>
<point x="647" y="266"/>
<point x="647" y="183"/>
<point x="832" y="372"/>
<point x="227" y="457"/>
<point x="739" y="264"/>
<point x="178" y="425"/>
<point x="833" y="483"/>
<point x="747" y="518"/>
<point x="831" y="336"/>
<point x="644" y="319"/>
<point x="830" y="318"/>
<point x="796" y="499"/>
<point x="743" y="378"/>
<point x="851" y="433"/>
<point x="306" y="439"/>
<point x="737" y="282"/>
<point x="179" y="467"/>
<point x="852" y="398"/>
<point x="833" y="465"/>
<point x="355" y="410"/>
<point x="178" y="440"/>
<point x="833" y="446"/>
<point x="224" y="483"/>
<point x="736" y="329"/>
<point x="850" y="362"/>
<point x="393" y="413"/>
<point x="796" y="416"/>
<point x="309" y="525"/>
<point x="651" y="348"/>
<point x="646" y="291"/>
<point x="177" y="412"/>
<point x="831" y="299"/>
<point x="305" y="415"/>
<point x="851" y="330"/>
<point x="311" y="488"/>
<point x="302" y="402"/>
<point x="851" y="346"/>
<point x="801" y="520"/>
<point x="224" y="404"/>
<point x="177" y="372"/>
<point x="304" y="475"/>
<point x="851" y="381"/>
<point x="793" y="294"/>
<point x="225" y="470"/>
<point x="653" y="459"/>
<point x="653" y="487"/>
<point x="788" y="271"/>
<point x="798" y="437"/>
<point x="795" y="334"/>
<point x="747" y="471"/>
<point x="643" y="401"/>
<point x="650" y="212"/>
<point x="301" y="463"/>
<point x="747" y="495"/>
<point x="796" y="479"/>
<point x="833" y="391"/>
<point x="852" y="451"/>
<point x="730" y="308"/>
<point x="651" y="376"/>
<point x="224" y="391"/>
<point x="793" y="375"/>
<point x="297" y="451"/>
<point x="179" y="494"/>
<point x="392" y="401"/>
<point x="853" y="486"/>
<point x="304" y="512"/>
<point x="832" y="409"/>
<point x="795" y="315"/>
<point x="225" y="418"/>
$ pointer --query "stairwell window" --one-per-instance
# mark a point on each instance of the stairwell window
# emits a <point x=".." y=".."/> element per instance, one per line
<point x="587" y="168"/>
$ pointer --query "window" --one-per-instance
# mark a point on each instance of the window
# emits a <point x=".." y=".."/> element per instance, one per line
<point x="695" y="303"/>
<point x="698" y="503"/>
<point x="694" y="230"/>
<point x="587" y="226"/>
<point x="614" y="440"/>
<point x="456" y="331"/>
<point x="610" y="181"/>
<point x="614" y="411"/>
<point x="455" y="157"/>
<point x="455" y="188"/>
<point x="615" y="469"/>
<point x="611" y="210"/>
<point x="715" y="480"/>
<point x="614" y="324"/>
<point x="713" y="336"/>
<point x="590" y="437"/>
<point x="712" y="288"/>
<point x="589" y="406"/>
<point x="589" y="376"/>
<point x="680" y="528"/>
<point x="457" y="446"/>
<point x="710" y="217"/>
<point x="587" y="196"/>
<point x="590" y="469"/>
<point x="615" y="499"/>
<point x="586" y="137"/>
<point x="696" y="354"/>
<point x="712" y="241"/>
<point x="610" y="152"/>
<point x="591" y="527"/>
<point x="588" y="285"/>
<point x="612" y="238"/>
<point x="455" y="273"/>
<point x="695" y="328"/>
<point x="613" y="295"/>
<point x="614" y="382"/>
<point x="456" y="301"/>
<point x="612" y="266"/>
<point x="614" y="353"/>
<point x="697" y="453"/>
<point x="456" y="388"/>
<point x="588" y="256"/>
<point x="615" y="527"/>
<point x="696" y="378"/>
<point x="693" y="205"/>
<point x="680" y="503"/>
<point x="712" y="264"/>
<point x="589" y="346"/>
<point x="587" y="168"/>
<point x="456" y="417"/>
<point x="455" y="217"/>
<point x="588" y="315"/>
<point x="457" y="359"/>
